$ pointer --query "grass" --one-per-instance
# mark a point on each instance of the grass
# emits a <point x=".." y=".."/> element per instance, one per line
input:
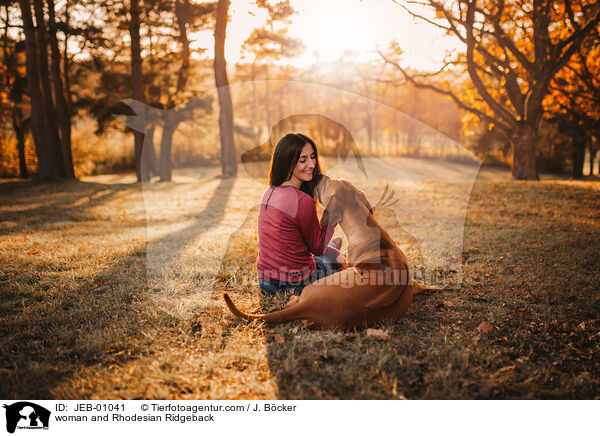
<point x="89" y="310"/>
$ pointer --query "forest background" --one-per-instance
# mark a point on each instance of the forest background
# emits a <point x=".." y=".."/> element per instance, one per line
<point x="520" y="90"/>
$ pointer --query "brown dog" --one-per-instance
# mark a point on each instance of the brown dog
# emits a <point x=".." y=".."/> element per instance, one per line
<point x="376" y="286"/>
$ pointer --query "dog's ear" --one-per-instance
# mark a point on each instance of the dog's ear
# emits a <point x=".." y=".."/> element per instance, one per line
<point x="363" y="199"/>
<point x="320" y="187"/>
<point x="332" y="214"/>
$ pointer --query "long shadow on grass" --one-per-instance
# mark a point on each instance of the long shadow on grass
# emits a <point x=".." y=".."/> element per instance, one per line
<point x="164" y="252"/>
<point x="53" y="324"/>
<point x="50" y="328"/>
<point x="62" y="201"/>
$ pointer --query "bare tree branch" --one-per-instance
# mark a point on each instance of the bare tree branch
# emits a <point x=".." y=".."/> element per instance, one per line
<point x="507" y="42"/>
<point x="421" y="17"/>
<point x="481" y="89"/>
<point x="461" y="104"/>
<point x="575" y="42"/>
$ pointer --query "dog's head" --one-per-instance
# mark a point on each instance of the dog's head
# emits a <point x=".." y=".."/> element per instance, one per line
<point x="337" y="195"/>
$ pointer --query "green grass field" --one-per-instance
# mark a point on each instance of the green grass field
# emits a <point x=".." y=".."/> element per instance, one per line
<point x="89" y="310"/>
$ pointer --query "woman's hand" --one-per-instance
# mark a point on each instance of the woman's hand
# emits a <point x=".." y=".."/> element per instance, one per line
<point x="341" y="259"/>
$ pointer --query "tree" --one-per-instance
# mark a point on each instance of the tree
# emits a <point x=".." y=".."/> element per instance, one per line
<point x="513" y="50"/>
<point x="265" y="46"/>
<point x="228" y="154"/>
<point x="62" y="111"/>
<point x="574" y="101"/>
<point x="188" y="17"/>
<point x="137" y="87"/>
<point x="45" y="87"/>
<point x="49" y="109"/>
<point x="169" y="83"/>
<point x="14" y="82"/>
<point x="47" y="165"/>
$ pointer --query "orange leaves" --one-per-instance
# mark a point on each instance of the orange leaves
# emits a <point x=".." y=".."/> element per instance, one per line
<point x="485" y="327"/>
<point x="521" y="312"/>
<point x="115" y="351"/>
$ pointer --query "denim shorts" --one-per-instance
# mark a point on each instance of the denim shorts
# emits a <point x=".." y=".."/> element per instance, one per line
<point x="325" y="266"/>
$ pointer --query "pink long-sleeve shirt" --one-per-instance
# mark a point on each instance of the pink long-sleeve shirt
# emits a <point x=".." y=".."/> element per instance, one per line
<point x="289" y="234"/>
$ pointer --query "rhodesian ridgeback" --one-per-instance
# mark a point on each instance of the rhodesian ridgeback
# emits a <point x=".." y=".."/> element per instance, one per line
<point x="376" y="284"/>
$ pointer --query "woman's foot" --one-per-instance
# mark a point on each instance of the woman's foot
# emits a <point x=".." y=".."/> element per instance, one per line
<point x="337" y="242"/>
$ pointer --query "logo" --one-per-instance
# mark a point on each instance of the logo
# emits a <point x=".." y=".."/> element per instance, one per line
<point x="26" y="415"/>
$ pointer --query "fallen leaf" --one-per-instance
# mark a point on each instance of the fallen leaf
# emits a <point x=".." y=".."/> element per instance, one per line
<point x="33" y="252"/>
<point x="521" y="312"/>
<point x="485" y="327"/>
<point x="278" y="338"/>
<point x="379" y="334"/>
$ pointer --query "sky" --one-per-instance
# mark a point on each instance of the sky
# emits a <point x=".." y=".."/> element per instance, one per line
<point x="328" y="28"/>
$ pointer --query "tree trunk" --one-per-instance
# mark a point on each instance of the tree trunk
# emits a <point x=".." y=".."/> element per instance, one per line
<point x="137" y="89"/>
<point x="15" y="96"/>
<point x="578" y="143"/>
<point x="593" y="153"/>
<point x="255" y="122"/>
<point x="523" y="145"/>
<point x="49" y="111"/>
<point x="182" y="12"/>
<point x="150" y="150"/>
<point x="67" y="65"/>
<point x="281" y="100"/>
<point x="64" y="120"/>
<point x="46" y="170"/>
<point x="19" y="127"/>
<point x="228" y="155"/>
<point x="166" y="167"/>
<point x="268" y="118"/>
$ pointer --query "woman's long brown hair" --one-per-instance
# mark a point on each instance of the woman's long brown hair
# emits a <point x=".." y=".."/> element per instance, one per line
<point x="285" y="157"/>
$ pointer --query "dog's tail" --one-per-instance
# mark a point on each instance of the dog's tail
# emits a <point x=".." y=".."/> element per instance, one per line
<point x="419" y="288"/>
<point x="283" y="315"/>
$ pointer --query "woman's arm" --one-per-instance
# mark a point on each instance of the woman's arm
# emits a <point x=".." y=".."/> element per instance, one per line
<point x="315" y="237"/>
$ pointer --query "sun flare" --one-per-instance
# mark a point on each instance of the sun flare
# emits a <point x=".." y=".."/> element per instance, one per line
<point x="335" y="29"/>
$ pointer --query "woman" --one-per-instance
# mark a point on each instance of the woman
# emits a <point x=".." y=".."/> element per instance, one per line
<point x="293" y="249"/>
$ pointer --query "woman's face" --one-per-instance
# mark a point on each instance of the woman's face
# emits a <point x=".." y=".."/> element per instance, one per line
<point x="303" y="171"/>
